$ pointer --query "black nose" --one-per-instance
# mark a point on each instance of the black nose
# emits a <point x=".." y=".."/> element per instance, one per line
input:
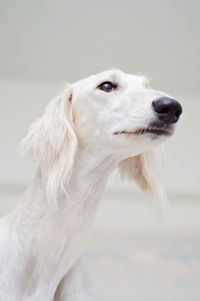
<point x="168" y="110"/>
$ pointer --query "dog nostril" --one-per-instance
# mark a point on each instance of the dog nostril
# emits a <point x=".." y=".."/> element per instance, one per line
<point x="163" y="110"/>
<point x="178" y="113"/>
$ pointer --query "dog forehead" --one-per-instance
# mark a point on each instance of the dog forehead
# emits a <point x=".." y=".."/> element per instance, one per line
<point x="114" y="75"/>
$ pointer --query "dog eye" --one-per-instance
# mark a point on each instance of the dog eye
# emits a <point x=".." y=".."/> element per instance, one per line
<point x="107" y="87"/>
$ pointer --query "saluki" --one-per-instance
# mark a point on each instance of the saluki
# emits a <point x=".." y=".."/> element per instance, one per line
<point x="108" y="120"/>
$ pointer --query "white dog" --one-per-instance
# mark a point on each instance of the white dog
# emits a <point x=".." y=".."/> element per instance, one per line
<point x="106" y="120"/>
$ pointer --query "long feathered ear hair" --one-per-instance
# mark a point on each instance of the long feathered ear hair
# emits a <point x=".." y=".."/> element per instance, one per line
<point x="51" y="141"/>
<point x="143" y="169"/>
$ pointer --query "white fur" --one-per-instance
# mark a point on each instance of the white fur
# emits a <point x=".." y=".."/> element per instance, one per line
<point x="75" y="149"/>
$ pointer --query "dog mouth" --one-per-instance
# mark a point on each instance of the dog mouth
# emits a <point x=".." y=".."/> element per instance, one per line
<point x="156" y="131"/>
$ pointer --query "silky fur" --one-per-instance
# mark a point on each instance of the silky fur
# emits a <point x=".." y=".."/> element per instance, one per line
<point x="75" y="149"/>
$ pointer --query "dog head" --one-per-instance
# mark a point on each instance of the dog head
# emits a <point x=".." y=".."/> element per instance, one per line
<point x="116" y="113"/>
<point x="121" y="111"/>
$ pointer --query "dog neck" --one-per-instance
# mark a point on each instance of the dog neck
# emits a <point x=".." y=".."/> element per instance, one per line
<point x="53" y="240"/>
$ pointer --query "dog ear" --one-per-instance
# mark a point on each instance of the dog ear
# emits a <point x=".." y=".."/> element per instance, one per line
<point x="143" y="169"/>
<point x="51" y="141"/>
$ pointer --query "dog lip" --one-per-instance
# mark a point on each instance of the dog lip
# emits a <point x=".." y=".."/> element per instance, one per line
<point x="151" y="130"/>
